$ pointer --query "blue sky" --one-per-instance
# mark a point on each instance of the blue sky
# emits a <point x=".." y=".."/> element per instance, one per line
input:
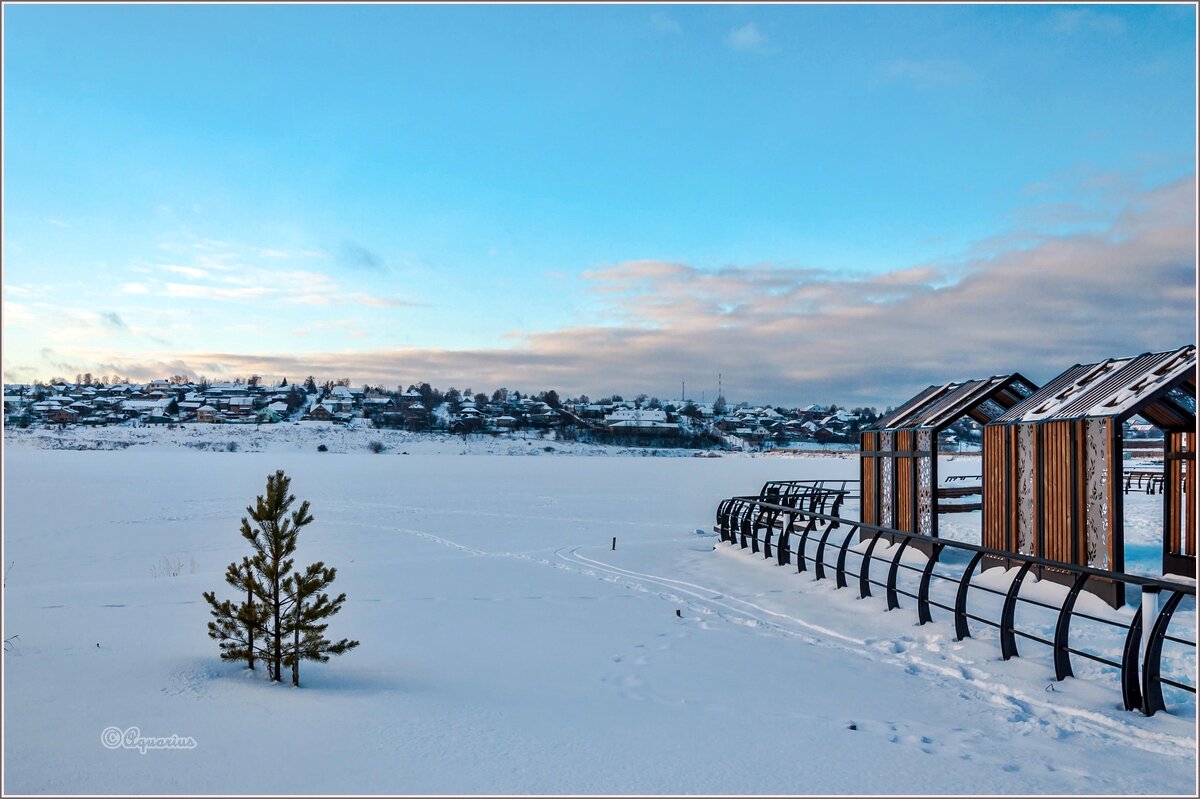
<point x="594" y="198"/>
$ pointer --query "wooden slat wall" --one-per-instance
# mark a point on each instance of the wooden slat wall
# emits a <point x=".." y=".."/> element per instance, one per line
<point x="869" y="442"/>
<point x="1179" y="494"/>
<point x="1055" y="478"/>
<point x="1189" y="493"/>
<point x="995" y="507"/>
<point x="906" y="499"/>
<point x="1173" y="476"/>
<point x="1037" y="499"/>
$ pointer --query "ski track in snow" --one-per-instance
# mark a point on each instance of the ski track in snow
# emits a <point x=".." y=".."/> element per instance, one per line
<point x="961" y="674"/>
<point x="1019" y="705"/>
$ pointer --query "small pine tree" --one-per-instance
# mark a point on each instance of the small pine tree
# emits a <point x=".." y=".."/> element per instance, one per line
<point x="236" y="627"/>
<point x="273" y="540"/>
<point x="280" y="619"/>
<point x="309" y="607"/>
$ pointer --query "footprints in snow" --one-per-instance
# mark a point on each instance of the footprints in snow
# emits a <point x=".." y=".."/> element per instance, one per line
<point x="900" y="734"/>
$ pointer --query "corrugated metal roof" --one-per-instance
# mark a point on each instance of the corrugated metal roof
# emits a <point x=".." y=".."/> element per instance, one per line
<point x="1116" y="387"/>
<point x="938" y="406"/>
<point x="887" y="422"/>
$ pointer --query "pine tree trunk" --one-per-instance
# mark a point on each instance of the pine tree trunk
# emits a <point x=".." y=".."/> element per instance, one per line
<point x="277" y="652"/>
<point x="250" y="649"/>
<point x="296" y="647"/>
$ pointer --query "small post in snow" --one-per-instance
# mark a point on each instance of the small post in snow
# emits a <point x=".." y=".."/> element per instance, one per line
<point x="614" y="543"/>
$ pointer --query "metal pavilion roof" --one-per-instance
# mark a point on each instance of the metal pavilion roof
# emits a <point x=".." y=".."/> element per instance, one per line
<point x="886" y="422"/>
<point x="937" y="406"/>
<point x="1161" y="386"/>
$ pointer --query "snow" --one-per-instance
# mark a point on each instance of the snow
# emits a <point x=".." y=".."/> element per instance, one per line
<point x="506" y="647"/>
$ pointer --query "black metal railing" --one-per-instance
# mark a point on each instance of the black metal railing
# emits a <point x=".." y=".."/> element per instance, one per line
<point x="810" y="497"/>
<point x="753" y="522"/>
<point x="1152" y="480"/>
<point x="825" y="490"/>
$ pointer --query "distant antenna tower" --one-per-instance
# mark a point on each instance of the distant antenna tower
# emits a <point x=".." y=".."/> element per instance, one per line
<point x="683" y="390"/>
<point x="719" y="392"/>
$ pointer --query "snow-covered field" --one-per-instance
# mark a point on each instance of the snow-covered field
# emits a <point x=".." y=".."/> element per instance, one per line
<point x="506" y="648"/>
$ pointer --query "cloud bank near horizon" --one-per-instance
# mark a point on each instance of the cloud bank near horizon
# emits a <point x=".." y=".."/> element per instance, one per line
<point x="1026" y="302"/>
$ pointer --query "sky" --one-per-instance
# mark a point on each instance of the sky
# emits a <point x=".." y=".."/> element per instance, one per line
<point x="835" y="203"/>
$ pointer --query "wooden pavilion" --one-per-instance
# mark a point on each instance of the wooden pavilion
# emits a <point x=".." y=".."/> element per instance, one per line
<point x="898" y="464"/>
<point x="1052" y="465"/>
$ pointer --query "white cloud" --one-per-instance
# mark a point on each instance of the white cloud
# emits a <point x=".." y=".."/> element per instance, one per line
<point x="231" y="273"/>
<point x="748" y="38"/>
<point x="363" y="298"/>
<point x="781" y="334"/>
<point x="186" y="271"/>
<point x="16" y="313"/>
<point x="309" y="299"/>
<point x="1085" y="20"/>
<point x="197" y="292"/>
<point x="665" y="24"/>
<point x="925" y="74"/>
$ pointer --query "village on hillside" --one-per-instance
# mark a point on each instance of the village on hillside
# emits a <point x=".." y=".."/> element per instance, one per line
<point x="422" y="408"/>
<point x="643" y="420"/>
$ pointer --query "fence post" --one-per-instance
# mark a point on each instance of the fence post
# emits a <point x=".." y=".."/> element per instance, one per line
<point x="1131" y="695"/>
<point x="1062" y="631"/>
<point x="1008" y="639"/>
<point x="820" y="563"/>
<point x="801" y="565"/>
<point x="923" y="615"/>
<point x="893" y="601"/>
<point x="767" y="533"/>
<point x="864" y="571"/>
<point x="841" y="561"/>
<point x="961" y="630"/>
<point x="1152" y="698"/>
<point x="783" y="555"/>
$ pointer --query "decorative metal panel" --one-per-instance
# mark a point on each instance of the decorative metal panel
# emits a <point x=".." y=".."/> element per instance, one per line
<point x="990" y="408"/>
<point x="1183" y="399"/>
<point x="1026" y="529"/>
<point x="888" y="464"/>
<point x="1096" y="515"/>
<point x="925" y="483"/>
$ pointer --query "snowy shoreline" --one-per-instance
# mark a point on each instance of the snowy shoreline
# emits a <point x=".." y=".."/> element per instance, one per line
<point x="338" y="438"/>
